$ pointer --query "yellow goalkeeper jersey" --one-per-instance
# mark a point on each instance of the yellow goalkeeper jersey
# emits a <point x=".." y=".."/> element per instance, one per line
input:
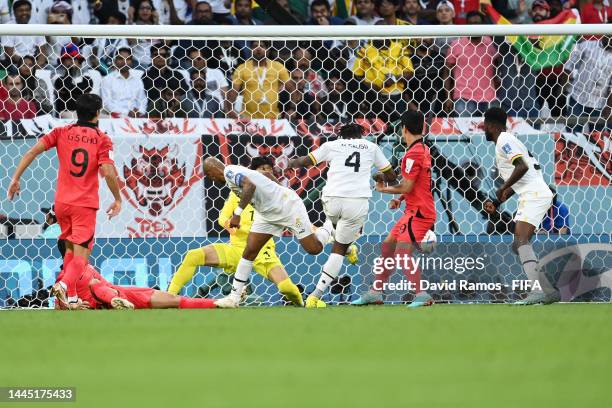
<point x="238" y="237"/>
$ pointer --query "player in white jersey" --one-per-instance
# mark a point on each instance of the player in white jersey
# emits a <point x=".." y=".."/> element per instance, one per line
<point x="346" y="194"/>
<point x="522" y="175"/>
<point x="276" y="208"/>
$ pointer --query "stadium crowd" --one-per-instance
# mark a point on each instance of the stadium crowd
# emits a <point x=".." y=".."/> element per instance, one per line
<point x="316" y="80"/>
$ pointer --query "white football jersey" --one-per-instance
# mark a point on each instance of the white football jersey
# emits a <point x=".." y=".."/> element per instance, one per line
<point x="507" y="149"/>
<point x="269" y="196"/>
<point x="350" y="166"/>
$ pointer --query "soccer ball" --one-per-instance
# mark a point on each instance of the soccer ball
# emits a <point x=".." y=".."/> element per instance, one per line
<point x="428" y="244"/>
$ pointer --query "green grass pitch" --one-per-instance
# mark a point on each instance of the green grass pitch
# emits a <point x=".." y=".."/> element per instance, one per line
<point x="444" y="356"/>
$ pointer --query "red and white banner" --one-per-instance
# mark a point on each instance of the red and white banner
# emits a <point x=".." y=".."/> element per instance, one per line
<point x="160" y="171"/>
<point x="475" y="125"/>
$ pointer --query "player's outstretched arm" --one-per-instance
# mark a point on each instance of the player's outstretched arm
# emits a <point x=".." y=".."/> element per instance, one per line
<point x="26" y="160"/>
<point x="248" y="189"/>
<point x="404" y="187"/>
<point x="505" y="191"/>
<point x="110" y="175"/>
<point x="300" y="162"/>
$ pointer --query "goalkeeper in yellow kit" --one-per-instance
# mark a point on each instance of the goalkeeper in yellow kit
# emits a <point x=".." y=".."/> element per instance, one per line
<point x="226" y="256"/>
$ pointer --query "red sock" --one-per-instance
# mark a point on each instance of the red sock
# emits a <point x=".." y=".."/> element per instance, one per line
<point x="190" y="303"/>
<point x="67" y="259"/>
<point x="412" y="272"/>
<point x="73" y="272"/>
<point x="386" y="251"/>
<point x="103" y="292"/>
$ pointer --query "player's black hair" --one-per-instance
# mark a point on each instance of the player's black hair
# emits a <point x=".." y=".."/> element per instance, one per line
<point x="351" y="131"/>
<point x="320" y="3"/>
<point x="261" y="161"/>
<point x="496" y="115"/>
<point x="413" y="121"/>
<point x="87" y="107"/>
<point x="474" y="13"/>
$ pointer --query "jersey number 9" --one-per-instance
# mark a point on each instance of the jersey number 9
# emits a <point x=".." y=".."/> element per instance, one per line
<point x="79" y="158"/>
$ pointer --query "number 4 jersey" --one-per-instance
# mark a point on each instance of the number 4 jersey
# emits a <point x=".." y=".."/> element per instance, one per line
<point x="507" y="149"/>
<point x="81" y="149"/>
<point x="350" y="166"/>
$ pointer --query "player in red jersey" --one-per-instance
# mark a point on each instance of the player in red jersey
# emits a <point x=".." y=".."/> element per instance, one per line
<point x="95" y="292"/>
<point x="83" y="151"/>
<point x="419" y="215"/>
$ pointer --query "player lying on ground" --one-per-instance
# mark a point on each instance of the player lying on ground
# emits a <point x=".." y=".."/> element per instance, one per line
<point x="276" y="208"/>
<point x="227" y="256"/>
<point x="346" y="195"/>
<point x="419" y="214"/>
<point x="95" y="292"/>
<point x="522" y="175"/>
<point x="82" y="150"/>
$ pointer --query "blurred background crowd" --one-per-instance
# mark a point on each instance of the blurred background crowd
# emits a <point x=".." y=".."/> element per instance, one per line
<point x="325" y="81"/>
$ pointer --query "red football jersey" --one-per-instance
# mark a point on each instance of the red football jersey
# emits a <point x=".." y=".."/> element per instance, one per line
<point x="81" y="149"/>
<point x="416" y="165"/>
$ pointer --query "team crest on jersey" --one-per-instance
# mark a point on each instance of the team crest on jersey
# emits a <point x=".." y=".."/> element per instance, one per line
<point x="507" y="148"/>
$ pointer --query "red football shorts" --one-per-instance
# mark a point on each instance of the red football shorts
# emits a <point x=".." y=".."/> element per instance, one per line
<point x="411" y="228"/>
<point x="78" y="224"/>
<point x="140" y="297"/>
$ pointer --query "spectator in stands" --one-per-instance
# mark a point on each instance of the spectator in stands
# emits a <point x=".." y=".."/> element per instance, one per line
<point x="366" y="13"/>
<point x="513" y="10"/>
<point x="200" y="101"/>
<point x="34" y="89"/>
<point x="463" y="8"/>
<point x="445" y="13"/>
<point x="321" y="14"/>
<point x="40" y="9"/>
<point x="195" y="60"/>
<point x="13" y="106"/>
<point x="411" y="12"/>
<point x="384" y="66"/>
<point x="122" y="90"/>
<point x="105" y="49"/>
<point x="557" y="219"/>
<point x="313" y="82"/>
<point x="215" y="82"/>
<point x="72" y="84"/>
<point x="595" y="12"/>
<point x="170" y="104"/>
<point x="167" y="12"/>
<point x="338" y="105"/>
<point x="426" y="86"/>
<point x="202" y="14"/>
<point x="388" y="9"/>
<point x="284" y="4"/>
<point x="144" y="14"/>
<point x="259" y="81"/>
<point x="299" y="104"/>
<point x="157" y="77"/>
<point x="18" y="46"/>
<point x="472" y="63"/>
<point x="550" y="81"/>
<point x="244" y="13"/>
<point x="590" y="71"/>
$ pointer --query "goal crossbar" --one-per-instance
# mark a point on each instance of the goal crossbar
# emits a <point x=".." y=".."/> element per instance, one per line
<point x="306" y="32"/>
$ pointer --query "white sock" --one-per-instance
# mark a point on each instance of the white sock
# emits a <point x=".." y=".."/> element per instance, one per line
<point x="241" y="277"/>
<point x="529" y="261"/>
<point x="324" y="233"/>
<point x="331" y="269"/>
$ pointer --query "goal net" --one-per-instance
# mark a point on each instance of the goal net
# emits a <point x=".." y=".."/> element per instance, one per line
<point x="175" y="95"/>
